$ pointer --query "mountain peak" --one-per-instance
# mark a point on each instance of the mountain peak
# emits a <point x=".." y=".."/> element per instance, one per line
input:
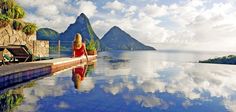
<point x="115" y="27"/>
<point x="81" y="26"/>
<point x="122" y="40"/>
<point x="82" y="17"/>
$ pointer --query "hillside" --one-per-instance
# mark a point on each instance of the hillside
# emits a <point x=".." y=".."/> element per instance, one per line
<point x="47" y="34"/>
<point x="117" y="39"/>
<point x="82" y="26"/>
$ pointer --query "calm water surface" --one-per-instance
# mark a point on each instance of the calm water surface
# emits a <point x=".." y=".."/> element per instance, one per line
<point x="132" y="82"/>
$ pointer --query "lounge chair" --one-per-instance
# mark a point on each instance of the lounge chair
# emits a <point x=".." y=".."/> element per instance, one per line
<point x="1" y="55"/>
<point x="20" y="52"/>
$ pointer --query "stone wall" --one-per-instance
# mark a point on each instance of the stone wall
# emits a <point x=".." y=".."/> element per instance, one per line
<point x="10" y="36"/>
<point x="41" y="48"/>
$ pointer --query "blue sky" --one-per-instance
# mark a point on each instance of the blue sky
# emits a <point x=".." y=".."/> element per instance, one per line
<point x="196" y="25"/>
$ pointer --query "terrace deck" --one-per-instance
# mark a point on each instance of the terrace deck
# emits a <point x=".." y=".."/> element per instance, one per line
<point x="22" y="72"/>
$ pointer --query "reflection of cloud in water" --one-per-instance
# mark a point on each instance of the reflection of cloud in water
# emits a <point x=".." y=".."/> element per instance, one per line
<point x="148" y="101"/>
<point x="144" y="80"/>
<point x="62" y="105"/>
<point x="231" y="105"/>
<point x="32" y="96"/>
<point x="87" y="85"/>
<point x="152" y="86"/>
<point x="114" y="87"/>
<point x="193" y="81"/>
<point x="151" y="101"/>
<point x="187" y="103"/>
<point x="44" y="88"/>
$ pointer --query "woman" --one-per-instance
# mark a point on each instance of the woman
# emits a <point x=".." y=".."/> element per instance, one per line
<point x="79" y="48"/>
<point x="79" y="75"/>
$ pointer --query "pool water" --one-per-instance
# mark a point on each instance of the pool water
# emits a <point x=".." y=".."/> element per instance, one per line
<point x="131" y="82"/>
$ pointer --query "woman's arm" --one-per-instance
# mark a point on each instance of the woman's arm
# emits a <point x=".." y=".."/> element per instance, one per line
<point x="85" y="69"/>
<point x="73" y="55"/>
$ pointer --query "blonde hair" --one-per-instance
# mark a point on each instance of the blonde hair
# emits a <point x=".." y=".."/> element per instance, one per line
<point x="78" y="40"/>
<point x="77" y="82"/>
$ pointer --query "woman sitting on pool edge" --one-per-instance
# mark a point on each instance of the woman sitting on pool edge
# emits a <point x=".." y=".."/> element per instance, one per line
<point x="79" y="48"/>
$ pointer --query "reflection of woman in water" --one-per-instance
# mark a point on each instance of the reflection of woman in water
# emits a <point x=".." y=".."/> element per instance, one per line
<point x="79" y="48"/>
<point x="78" y="75"/>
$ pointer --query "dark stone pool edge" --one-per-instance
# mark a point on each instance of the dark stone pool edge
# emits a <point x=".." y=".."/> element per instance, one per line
<point x="29" y="71"/>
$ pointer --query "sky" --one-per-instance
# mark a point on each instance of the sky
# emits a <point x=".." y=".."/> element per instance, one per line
<point x="186" y="25"/>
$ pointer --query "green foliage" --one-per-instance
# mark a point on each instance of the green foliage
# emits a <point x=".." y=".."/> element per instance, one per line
<point x="4" y="20"/>
<point x="17" y="25"/>
<point x="47" y="34"/>
<point x="91" y="44"/>
<point x="11" y="9"/>
<point x="90" y="31"/>
<point x="10" y="100"/>
<point x="16" y="12"/>
<point x="90" y="70"/>
<point x="10" y="3"/>
<point x="29" y="29"/>
<point x="231" y="59"/>
<point x="6" y="4"/>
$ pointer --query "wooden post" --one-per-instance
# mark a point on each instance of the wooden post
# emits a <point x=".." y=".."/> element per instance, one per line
<point x="33" y="50"/>
<point x="59" y="48"/>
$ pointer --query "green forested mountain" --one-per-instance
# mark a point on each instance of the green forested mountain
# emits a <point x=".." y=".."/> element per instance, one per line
<point x="47" y="34"/>
<point x="117" y="39"/>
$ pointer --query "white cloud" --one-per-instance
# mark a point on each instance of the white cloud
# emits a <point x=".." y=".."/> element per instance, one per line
<point x="115" y="5"/>
<point x="143" y="28"/>
<point x="56" y="14"/>
<point x="87" y="7"/>
<point x="57" y="22"/>
<point x="48" y="11"/>
<point x="131" y="11"/>
<point x="185" y="25"/>
<point x="155" y="11"/>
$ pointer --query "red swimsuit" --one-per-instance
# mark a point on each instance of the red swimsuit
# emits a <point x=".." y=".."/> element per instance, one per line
<point x="79" y="71"/>
<point x="79" y="51"/>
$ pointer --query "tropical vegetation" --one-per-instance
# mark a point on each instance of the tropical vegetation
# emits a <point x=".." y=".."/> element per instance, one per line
<point x="17" y="25"/>
<point x="90" y="70"/>
<point x="12" y="13"/>
<point x="4" y="20"/>
<point x="231" y="59"/>
<point x="47" y="34"/>
<point x="16" y="12"/>
<point x="5" y="5"/>
<point x="91" y="44"/>
<point x="10" y="100"/>
<point x="29" y="28"/>
<point x="11" y="9"/>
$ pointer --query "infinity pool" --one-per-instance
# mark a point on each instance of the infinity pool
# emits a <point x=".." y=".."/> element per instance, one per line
<point x="130" y="82"/>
